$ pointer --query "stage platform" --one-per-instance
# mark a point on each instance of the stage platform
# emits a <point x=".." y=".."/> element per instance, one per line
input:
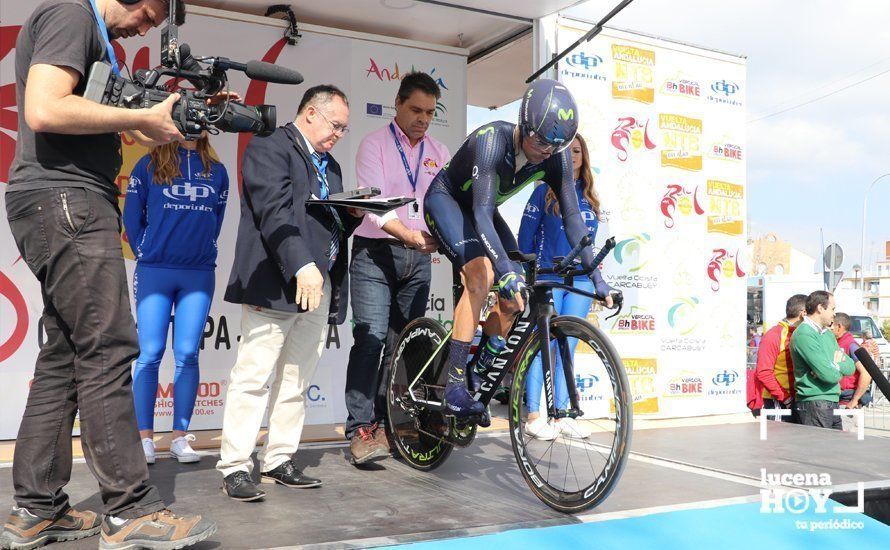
<point x="680" y="486"/>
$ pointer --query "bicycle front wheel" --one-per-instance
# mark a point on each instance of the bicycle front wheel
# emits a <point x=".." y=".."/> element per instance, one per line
<point x="575" y="467"/>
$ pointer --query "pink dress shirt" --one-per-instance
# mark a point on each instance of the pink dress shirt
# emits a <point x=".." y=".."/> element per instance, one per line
<point x="378" y="164"/>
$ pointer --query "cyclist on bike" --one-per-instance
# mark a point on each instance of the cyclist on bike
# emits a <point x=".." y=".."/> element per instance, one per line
<point x="493" y="164"/>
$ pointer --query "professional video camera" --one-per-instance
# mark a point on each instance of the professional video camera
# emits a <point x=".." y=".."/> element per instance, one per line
<point x="192" y="113"/>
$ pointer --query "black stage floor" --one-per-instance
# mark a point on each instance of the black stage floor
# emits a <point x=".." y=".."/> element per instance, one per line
<point x="479" y="489"/>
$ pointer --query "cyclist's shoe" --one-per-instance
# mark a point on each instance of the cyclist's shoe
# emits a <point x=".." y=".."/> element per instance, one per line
<point x="460" y="403"/>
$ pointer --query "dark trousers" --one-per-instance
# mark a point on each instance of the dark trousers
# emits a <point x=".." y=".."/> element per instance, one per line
<point x="819" y="413"/>
<point x="774" y="404"/>
<point x="70" y="238"/>
<point x="389" y="286"/>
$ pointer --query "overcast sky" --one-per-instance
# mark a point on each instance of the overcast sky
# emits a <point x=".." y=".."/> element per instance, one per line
<point x="808" y="167"/>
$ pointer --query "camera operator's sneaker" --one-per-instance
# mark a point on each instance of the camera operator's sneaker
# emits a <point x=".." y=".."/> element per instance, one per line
<point x="541" y="428"/>
<point x="183" y="452"/>
<point x="148" y="447"/>
<point x="160" y="530"/>
<point x="573" y="429"/>
<point x="24" y="530"/>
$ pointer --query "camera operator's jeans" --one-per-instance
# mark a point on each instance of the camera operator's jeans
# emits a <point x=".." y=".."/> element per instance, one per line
<point x="70" y="238"/>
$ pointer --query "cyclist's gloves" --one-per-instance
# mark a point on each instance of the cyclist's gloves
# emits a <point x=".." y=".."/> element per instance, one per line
<point x="602" y="289"/>
<point x="510" y="284"/>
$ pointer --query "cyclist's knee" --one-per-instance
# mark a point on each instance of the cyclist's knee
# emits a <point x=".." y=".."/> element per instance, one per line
<point x="478" y="277"/>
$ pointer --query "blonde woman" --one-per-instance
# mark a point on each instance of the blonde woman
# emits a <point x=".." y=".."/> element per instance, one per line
<point x="174" y="211"/>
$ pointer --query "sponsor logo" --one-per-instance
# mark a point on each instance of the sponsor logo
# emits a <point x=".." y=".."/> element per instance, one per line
<point x="19" y="319"/>
<point x="630" y="252"/>
<point x="566" y="114"/>
<point x="638" y="321"/>
<point x="723" y="266"/>
<point x="440" y="111"/>
<point x="725" y="202"/>
<point x="683" y="315"/>
<point x="374" y="109"/>
<point x="634" y="73"/>
<point x="641" y="374"/>
<point x="725" y="383"/>
<point x="430" y="163"/>
<point x="582" y="66"/>
<point x="188" y="190"/>
<point x="682" y="87"/>
<point x="315" y="395"/>
<point x="725" y="150"/>
<point x="679" y="200"/>
<point x="723" y="92"/>
<point x="681" y="141"/>
<point x="684" y="385"/>
<point x="630" y="135"/>
<point x="589" y="387"/>
<point x="383" y="73"/>
<point x="436" y="309"/>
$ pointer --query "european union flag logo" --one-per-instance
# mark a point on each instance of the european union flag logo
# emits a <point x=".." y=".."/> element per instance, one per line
<point x="375" y="109"/>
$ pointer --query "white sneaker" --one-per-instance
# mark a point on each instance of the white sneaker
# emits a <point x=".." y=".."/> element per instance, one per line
<point x="541" y="428"/>
<point x="148" y="447"/>
<point x="573" y="429"/>
<point x="183" y="451"/>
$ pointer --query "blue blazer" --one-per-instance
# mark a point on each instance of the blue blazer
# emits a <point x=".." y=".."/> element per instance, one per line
<point x="279" y="233"/>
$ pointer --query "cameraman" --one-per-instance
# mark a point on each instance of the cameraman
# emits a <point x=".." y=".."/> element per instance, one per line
<point x="62" y="207"/>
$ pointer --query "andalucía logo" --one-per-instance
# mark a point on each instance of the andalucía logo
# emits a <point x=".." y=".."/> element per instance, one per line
<point x="682" y="316"/>
<point x="632" y="249"/>
<point x="581" y="65"/>
<point x="679" y="200"/>
<point x="385" y="74"/>
<point x="631" y="135"/>
<point x="723" y="265"/>
<point x="724" y="92"/>
<point x="638" y="321"/>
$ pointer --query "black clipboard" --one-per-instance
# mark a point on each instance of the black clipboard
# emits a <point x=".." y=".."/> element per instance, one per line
<point x="376" y="205"/>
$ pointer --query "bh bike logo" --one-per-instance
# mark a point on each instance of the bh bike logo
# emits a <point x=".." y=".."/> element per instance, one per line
<point x="10" y="292"/>
<point x="683" y="315"/>
<point x="188" y="190"/>
<point x="723" y="265"/>
<point x="638" y="321"/>
<point x="629" y="249"/>
<point x="685" y="385"/>
<point x="679" y="200"/>
<point x="631" y="135"/>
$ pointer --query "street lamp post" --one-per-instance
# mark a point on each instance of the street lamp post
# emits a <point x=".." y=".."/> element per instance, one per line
<point x="862" y="247"/>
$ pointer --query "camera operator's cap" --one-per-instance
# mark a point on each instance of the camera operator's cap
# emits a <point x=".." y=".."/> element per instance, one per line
<point x="549" y="111"/>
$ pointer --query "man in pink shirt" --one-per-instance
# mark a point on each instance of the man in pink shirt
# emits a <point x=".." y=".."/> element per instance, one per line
<point x="390" y="270"/>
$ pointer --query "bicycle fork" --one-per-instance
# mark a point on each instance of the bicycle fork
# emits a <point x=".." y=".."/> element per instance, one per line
<point x="546" y="313"/>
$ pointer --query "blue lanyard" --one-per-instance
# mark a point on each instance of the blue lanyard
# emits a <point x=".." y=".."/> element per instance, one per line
<point x="103" y="31"/>
<point x="412" y="176"/>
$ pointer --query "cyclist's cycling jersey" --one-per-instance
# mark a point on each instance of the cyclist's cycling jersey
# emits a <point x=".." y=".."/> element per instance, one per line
<point x="483" y="174"/>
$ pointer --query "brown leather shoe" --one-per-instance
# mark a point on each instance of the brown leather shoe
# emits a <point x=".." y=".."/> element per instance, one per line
<point x="365" y="446"/>
<point x="158" y="531"/>
<point x="382" y="437"/>
<point x="24" y="530"/>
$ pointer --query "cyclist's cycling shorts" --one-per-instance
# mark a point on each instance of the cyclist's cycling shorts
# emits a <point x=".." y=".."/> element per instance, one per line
<point x="452" y="224"/>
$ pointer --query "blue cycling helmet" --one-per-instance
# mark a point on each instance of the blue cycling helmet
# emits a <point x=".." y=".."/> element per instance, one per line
<point x="549" y="112"/>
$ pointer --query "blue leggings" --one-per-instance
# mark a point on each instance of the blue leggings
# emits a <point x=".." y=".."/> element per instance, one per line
<point x="158" y="290"/>
<point x="565" y="303"/>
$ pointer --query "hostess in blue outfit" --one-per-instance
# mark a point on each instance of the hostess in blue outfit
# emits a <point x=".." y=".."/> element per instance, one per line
<point x="172" y="224"/>
<point x="542" y="231"/>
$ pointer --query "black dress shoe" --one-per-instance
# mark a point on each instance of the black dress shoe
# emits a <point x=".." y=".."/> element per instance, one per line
<point x="239" y="486"/>
<point x="288" y="475"/>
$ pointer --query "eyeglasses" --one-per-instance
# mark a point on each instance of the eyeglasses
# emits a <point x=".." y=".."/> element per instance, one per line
<point x="338" y="128"/>
<point x="542" y="145"/>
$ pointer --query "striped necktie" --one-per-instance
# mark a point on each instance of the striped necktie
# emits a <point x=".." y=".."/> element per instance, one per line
<point x="321" y="165"/>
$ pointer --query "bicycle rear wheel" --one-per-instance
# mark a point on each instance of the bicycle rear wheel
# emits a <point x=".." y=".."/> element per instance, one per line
<point x="420" y="434"/>
<point x="570" y="473"/>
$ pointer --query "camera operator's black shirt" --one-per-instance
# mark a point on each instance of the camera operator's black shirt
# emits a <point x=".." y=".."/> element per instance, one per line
<point x="62" y="33"/>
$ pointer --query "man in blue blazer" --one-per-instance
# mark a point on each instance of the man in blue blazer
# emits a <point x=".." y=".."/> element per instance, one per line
<point x="290" y="277"/>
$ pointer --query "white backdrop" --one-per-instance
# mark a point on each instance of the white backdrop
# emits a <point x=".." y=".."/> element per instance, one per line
<point x="665" y="125"/>
<point x="366" y="68"/>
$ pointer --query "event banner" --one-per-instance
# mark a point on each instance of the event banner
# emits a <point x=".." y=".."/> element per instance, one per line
<point x="665" y="125"/>
<point x="367" y="68"/>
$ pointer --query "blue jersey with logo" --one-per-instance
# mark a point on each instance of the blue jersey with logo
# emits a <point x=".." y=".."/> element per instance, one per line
<point x="176" y="226"/>
<point x="542" y="231"/>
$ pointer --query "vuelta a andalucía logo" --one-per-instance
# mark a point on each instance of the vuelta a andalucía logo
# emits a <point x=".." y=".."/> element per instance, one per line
<point x="679" y="200"/>
<point x="723" y="266"/>
<point x="631" y="135"/>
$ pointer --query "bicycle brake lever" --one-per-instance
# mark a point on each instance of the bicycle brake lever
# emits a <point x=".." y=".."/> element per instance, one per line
<point x="619" y="302"/>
